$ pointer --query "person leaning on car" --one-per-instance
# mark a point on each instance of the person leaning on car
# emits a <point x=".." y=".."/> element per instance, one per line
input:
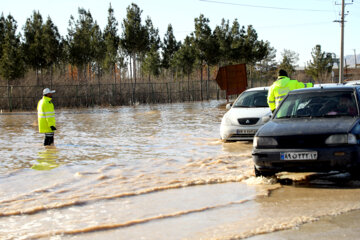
<point x="281" y="87"/>
<point x="46" y="116"/>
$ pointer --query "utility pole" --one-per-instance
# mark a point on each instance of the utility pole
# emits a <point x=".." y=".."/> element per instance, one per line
<point x="342" y="21"/>
<point x="355" y="57"/>
<point x="341" y="67"/>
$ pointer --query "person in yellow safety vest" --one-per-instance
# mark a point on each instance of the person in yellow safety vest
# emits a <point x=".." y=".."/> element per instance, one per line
<point x="46" y="116"/>
<point x="280" y="88"/>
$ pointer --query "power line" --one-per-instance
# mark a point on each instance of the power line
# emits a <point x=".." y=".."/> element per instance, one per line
<point x="296" y="25"/>
<point x="267" y="7"/>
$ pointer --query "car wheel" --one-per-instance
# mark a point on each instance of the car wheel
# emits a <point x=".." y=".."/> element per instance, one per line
<point x="355" y="173"/>
<point x="259" y="173"/>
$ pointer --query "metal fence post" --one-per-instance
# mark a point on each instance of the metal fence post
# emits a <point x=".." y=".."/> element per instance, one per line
<point x="10" y="88"/>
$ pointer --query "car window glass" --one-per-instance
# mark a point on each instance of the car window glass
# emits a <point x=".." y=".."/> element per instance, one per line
<point x="318" y="104"/>
<point x="252" y="99"/>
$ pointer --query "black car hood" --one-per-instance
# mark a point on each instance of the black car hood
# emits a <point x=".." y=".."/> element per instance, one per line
<point x="306" y="126"/>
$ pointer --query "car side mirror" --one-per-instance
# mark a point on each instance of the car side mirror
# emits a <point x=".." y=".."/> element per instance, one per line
<point x="266" y="118"/>
<point x="228" y="106"/>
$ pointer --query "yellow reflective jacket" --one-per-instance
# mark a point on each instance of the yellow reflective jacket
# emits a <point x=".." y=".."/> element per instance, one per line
<point x="280" y="88"/>
<point x="46" y="115"/>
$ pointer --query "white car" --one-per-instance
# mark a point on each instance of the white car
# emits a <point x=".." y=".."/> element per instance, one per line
<point x="352" y="82"/>
<point x="246" y="115"/>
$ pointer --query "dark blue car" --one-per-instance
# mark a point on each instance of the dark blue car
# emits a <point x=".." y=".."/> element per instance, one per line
<point x="314" y="129"/>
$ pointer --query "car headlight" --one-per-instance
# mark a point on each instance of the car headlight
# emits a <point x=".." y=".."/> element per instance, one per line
<point x="225" y="121"/>
<point x="264" y="142"/>
<point x="341" y="139"/>
<point x="265" y="119"/>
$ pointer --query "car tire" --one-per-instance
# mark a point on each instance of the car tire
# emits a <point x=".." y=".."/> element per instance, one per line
<point x="355" y="173"/>
<point x="259" y="173"/>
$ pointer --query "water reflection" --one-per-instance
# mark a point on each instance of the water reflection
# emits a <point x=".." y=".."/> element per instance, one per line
<point x="47" y="159"/>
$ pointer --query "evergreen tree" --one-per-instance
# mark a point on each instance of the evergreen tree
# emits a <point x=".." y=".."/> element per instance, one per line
<point x="207" y="46"/>
<point x="85" y="44"/>
<point x="185" y="58"/>
<point x="2" y="32"/>
<point x="204" y="40"/>
<point x="170" y="46"/>
<point x="121" y="61"/>
<point x="52" y="45"/>
<point x="152" y="62"/>
<point x="289" y="60"/>
<point x="321" y="65"/>
<point x="134" y="37"/>
<point x="12" y="64"/>
<point x="224" y="38"/>
<point x="266" y="68"/>
<point x="98" y="48"/>
<point x="237" y="54"/>
<point x="112" y="40"/>
<point x="34" y="45"/>
<point x="254" y="49"/>
<point x="153" y="35"/>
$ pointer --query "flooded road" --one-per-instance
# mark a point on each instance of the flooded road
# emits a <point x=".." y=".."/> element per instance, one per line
<point x="154" y="172"/>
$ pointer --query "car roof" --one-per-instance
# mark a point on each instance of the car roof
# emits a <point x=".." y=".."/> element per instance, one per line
<point x="353" y="82"/>
<point x="257" y="89"/>
<point x="327" y="84"/>
<point x="326" y="87"/>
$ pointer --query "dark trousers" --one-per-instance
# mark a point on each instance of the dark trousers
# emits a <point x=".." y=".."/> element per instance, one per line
<point x="49" y="139"/>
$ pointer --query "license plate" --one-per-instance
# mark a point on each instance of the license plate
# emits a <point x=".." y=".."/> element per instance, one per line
<point x="298" y="156"/>
<point x="246" y="131"/>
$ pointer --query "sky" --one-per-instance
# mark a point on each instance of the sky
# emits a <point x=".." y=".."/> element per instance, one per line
<point x="296" y="25"/>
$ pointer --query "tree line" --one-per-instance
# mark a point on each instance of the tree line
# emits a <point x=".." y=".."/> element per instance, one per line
<point x="139" y="49"/>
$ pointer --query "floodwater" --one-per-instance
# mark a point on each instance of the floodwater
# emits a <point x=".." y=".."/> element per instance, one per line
<point x="156" y="172"/>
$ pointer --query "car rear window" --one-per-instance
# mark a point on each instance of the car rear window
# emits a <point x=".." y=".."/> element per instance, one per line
<point x="252" y="99"/>
<point x="318" y="104"/>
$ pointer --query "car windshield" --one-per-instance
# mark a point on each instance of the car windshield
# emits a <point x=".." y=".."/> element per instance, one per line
<point x="318" y="104"/>
<point x="252" y="99"/>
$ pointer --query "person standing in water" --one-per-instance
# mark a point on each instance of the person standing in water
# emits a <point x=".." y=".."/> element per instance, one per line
<point x="46" y="116"/>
